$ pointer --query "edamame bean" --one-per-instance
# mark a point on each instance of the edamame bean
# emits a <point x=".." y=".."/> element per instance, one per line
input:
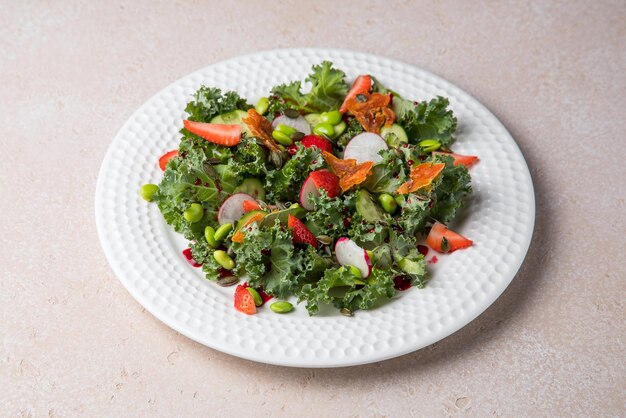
<point x="224" y="259"/>
<point x="339" y="128"/>
<point x="209" y="235"/>
<point x="222" y="232"/>
<point x="286" y="129"/>
<point x="388" y="203"/>
<point x="324" y="129"/>
<point x="262" y="105"/>
<point x="255" y="295"/>
<point x="281" y="138"/>
<point x="194" y="213"/>
<point x="430" y="145"/>
<point x="281" y="307"/>
<point x="147" y="192"/>
<point x="333" y="117"/>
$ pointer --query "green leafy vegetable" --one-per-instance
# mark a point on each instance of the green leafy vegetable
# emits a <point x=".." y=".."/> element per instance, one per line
<point x="209" y="102"/>
<point x="450" y="190"/>
<point x="427" y="120"/>
<point x="328" y="89"/>
<point x="280" y="184"/>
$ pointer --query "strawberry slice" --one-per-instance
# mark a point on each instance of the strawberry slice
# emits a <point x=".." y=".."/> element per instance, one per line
<point x="316" y="141"/>
<point x="324" y="179"/>
<point x="165" y="158"/>
<point x="244" y="302"/>
<point x="249" y="205"/>
<point x="227" y="135"/>
<point x="443" y="240"/>
<point x="301" y="234"/>
<point x="466" y="160"/>
<point x="362" y="84"/>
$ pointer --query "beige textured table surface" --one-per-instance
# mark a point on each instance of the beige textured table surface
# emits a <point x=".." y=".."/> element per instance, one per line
<point x="74" y="342"/>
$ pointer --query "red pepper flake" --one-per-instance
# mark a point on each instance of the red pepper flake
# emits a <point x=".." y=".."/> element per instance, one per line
<point x="433" y="260"/>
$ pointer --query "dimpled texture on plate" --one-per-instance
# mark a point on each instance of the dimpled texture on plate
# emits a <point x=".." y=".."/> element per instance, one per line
<point x="146" y="254"/>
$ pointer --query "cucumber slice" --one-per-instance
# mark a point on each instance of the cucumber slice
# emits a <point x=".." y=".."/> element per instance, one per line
<point x="394" y="135"/>
<point x="367" y="208"/>
<point x="313" y="119"/>
<point x="253" y="187"/>
<point x="247" y="216"/>
<point x="233" y="118"/>
<point x="283" y="215"/>
<point x="227" y="178"/>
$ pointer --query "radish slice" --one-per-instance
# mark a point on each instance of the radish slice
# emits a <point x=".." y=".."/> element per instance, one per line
<point x="309" y="187"/>
<point x="365" y="147"/>
<point x="232" y="208"/>
<point x="300" y="124"/>
<point x="350" y="254"/>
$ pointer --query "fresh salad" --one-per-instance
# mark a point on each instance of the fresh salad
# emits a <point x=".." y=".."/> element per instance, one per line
<point x="321" y="195"/>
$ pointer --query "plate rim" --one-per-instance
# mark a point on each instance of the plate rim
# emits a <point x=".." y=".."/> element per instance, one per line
<point x="284" y="361"/>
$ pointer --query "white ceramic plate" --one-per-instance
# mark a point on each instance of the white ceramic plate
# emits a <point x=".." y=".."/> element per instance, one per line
<point x="146" y="254"/>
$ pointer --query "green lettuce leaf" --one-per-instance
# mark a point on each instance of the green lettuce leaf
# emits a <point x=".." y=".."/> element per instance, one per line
<point x="209" y="102"/>
<point x="187" y="181"/>
<point x="272" y="246"/>
<point x="329" y="214"/>
<point x="387" y="175"/>
<point x="408" y="258"/>
<point x="428" y="120"/>
<point x="284" y="184"/>
<point x="340" y="288"/>
<point x="328" y="90"/>
<point x="414" y="213"/>
<point x="450" y="190"/>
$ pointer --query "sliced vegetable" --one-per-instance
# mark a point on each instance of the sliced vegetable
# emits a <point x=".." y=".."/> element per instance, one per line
<point x="443" y="240"/>
<point x="233" y="118"/>
<point x="165" y="158"/>
<point x="367" y="208"/>
<point x="299" y="123"/>
<point x="226" y="135"/>
<point x="244" y="301"/>
<point x="466" y="160"/>
<point x="232" y="208"/>
<point x="365" y="147"/>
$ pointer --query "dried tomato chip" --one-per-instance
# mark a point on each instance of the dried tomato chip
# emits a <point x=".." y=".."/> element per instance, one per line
<point x="349" y="172"/>
<point x="421" y="176"/>
<point x="261" y="128"/>
<point x="373" y="112"/>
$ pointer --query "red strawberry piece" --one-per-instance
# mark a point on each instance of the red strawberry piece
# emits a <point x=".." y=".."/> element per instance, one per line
<point x="301" y="234"/>
<point x="227" y="135"/>
<point x="244" y="302"/>
<point x="443" y="240"/>
<point x="316" y="141"/>
<point x="466" y="160"/>
<point x="264" y="296"/>
<point x="165" y="158"/>
<point x="324" y="179"/>
<point x="249" y="205"/>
